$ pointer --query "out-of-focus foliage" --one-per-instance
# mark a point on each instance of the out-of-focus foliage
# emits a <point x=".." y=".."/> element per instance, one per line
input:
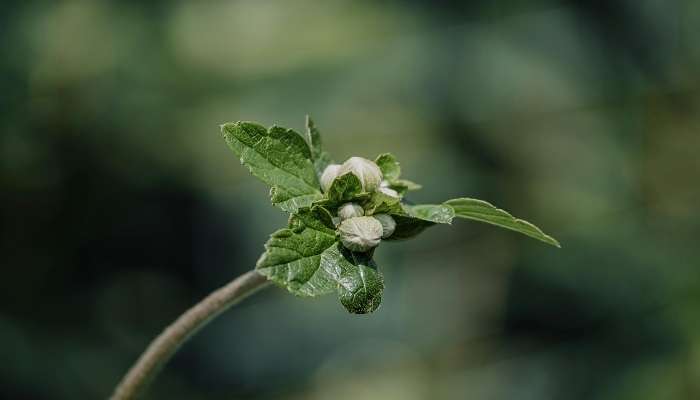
<point x="120" y="205"/>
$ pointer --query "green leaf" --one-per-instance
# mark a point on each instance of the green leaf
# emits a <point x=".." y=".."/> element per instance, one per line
<point x="404" y="185"/>
<point x="382" y="203"/>
<point x="408" y="227"/>
<point x="292" y="257"/>
<point x="482" y="211"/>
<point x="391" y="170"/>
<point x="279" y="157"/>
<point x="344" y="188"/>
<point x="436" y="213"/>
<point x="320" y="158"/>
<point x="311" y="217"/>
<point x="360" y="284"/>
<point x="415" y="219"/>
<point x="307" y="260"/>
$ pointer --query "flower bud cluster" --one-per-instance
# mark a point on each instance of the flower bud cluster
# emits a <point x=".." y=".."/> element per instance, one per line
<point x="359" y="232"/>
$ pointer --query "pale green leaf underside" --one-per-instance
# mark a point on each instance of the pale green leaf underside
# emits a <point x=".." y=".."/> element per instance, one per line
<point x="417" y="218"/>
<point x="483" y="211"/>
<point x="279" y="157"/>
<point x="307" y="260"/>
<point x="439" y="213"/>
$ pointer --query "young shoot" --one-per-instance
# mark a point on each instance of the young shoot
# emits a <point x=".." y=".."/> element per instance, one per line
<point x="341" y="212"/>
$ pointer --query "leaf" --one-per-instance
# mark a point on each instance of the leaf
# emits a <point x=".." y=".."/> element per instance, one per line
<point x="439" y="213"/>
<point x="311" y="217"/>
<point x="408" y="227"/>
<point x="279" y="157"/>
<point x="416" y="219"/>
<point x="344" y="188"/>
<point x="307" y="260"/>
<point x="404" y="185"/>
<point x="360" y="284"/>
<point x="480" y="210"/>
<point x="320" y="158"/>
<point x="391" y="170"/>
<point x="382" y="203"/>
<point x="292" y="255"/>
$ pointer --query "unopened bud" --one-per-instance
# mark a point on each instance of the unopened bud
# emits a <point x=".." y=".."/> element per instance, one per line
<point x="350" y="210"/>
<point x="328" y="176"/>
<point x="388" y="224"/>
<point x="367" y="171"/>
<point x="360" y="234"/>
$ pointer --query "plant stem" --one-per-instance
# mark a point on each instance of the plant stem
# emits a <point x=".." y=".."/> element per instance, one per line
<point x="167" y="343"/>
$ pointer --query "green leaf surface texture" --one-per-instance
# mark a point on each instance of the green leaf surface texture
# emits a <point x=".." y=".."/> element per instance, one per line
<point x="345" y="188"/>
<point x="307" y="260"/>
<point x="360" y="284"/>
<point x="292" y="255"/>
<point x="415" y="219"/>
<point x="404" y="185"/>
<point x="419" y="217"/>
<point x="483" y="211"/>
<point x="279" y="157"/>
<point x="391" y="169"/>
<point x="381" y="203"/>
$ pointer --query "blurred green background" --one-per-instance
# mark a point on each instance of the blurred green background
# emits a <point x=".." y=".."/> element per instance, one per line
<point x="121" y="204"/>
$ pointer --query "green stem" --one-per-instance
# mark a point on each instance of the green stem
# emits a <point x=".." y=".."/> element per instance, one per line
<point x="167" y="343"/>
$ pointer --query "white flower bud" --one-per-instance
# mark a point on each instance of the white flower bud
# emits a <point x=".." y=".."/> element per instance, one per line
<point x="350" y="210"/>
<point x="389" y="192"/>
<point x="329" y="175"/>
<point x="388" y="224"/>
<point x="367" y="171"/>
<point x="360" y="234"/>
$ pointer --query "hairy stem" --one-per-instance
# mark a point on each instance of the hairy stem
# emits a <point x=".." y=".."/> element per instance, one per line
<point x="167" y="343"/>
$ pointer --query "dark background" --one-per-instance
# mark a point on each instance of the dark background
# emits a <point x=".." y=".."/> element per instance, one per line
<point x="121" y="205"/>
